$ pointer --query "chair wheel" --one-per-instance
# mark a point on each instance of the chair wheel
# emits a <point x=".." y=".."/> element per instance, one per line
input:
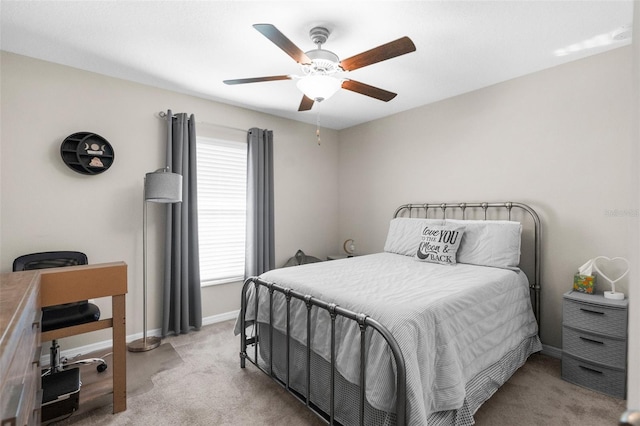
<point x="101" y="368"/>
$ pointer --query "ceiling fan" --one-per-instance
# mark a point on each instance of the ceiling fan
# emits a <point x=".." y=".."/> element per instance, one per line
<point x="323" y="72"/>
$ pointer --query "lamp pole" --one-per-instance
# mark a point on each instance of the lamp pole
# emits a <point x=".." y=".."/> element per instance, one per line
<point x="146" y="343"/>
<point x="160" y="186"/>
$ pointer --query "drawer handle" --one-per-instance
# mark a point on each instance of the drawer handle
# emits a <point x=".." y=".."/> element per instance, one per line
<point x="590" y="369"/>
<point x="591" y="340"/>
<point x="592" y="312"/>
<point x="36" y="357"/>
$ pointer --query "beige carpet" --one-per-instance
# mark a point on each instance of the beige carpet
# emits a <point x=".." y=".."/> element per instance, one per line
<point x="201" y="383"/>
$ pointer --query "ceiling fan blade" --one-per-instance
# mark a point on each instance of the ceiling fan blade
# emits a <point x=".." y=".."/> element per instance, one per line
<point x="306" y="103"/>
<point x="280" y="40"/>
<point x="378" y="54"/>
<point x="365" y="89"/>
<point x="257" y="79"/>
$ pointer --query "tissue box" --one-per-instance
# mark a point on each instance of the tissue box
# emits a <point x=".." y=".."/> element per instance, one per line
<point x="584" y="283"/>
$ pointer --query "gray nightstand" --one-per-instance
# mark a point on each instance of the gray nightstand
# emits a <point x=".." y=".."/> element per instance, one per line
<point x="594" y="342"/>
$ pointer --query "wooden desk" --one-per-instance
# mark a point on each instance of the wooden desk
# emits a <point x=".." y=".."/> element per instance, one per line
<point x="64" y="285"/>
<point x="20" y="349"/>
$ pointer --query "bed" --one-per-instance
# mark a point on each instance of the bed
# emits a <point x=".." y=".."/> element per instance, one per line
<point x="421" y="333"/>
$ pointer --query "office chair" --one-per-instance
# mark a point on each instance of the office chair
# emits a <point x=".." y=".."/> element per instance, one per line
<point x="65" y="315"/>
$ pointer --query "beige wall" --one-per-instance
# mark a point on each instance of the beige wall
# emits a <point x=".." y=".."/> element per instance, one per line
<point x="46" y="206"/>
<point x="559" y="140"/>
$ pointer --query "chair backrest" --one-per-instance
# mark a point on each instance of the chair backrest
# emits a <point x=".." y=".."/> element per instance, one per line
<point x="52" y="259"/>
<point x="49" y="259"/>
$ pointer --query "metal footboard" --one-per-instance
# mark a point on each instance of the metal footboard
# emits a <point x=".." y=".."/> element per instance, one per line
<point x="334" y="311"/>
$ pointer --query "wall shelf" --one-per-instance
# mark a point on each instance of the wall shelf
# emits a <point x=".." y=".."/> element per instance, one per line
<point x="87" y="153"/>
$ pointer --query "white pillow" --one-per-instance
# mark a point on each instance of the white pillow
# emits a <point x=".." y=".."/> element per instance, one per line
<point x="493" y="243"/>
<point x="404" y="234"/>
<point x="439" y="243"/>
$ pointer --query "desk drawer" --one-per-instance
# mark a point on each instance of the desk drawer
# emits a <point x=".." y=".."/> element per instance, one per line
<point x="594" y="376"/>
<point x="595" y="318"/>
<point x="21" y="379"/>
<point x="597" y="348"/>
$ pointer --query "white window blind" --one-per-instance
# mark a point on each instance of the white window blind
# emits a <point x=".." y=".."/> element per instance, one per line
<point x="222" y="182"/>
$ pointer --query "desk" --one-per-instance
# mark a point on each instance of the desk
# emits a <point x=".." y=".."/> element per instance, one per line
<point x="20" y="349"/>
<point x="47" y="287"/>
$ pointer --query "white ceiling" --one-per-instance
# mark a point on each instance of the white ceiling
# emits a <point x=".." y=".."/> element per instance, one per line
<point x="191" y="46"/>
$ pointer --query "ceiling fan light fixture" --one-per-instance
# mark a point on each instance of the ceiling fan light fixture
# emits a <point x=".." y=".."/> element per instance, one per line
<point x="319" y="87"/>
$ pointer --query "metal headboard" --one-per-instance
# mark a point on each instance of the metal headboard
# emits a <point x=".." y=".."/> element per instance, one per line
<point x="422" y="210"/>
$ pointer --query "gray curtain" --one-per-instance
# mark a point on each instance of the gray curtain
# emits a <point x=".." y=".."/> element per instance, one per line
<point x="182" y="300"/>
<point x="260" y="252"/>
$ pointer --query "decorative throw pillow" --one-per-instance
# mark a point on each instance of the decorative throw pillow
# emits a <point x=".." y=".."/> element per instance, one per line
<point x="439" y="243"/>
<point x="404" y="234"/>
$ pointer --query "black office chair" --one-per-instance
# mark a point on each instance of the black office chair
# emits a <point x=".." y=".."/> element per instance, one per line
<point x="66" y="315"/>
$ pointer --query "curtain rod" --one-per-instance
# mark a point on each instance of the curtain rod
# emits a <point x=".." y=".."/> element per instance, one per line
<point x="163" y="115"/>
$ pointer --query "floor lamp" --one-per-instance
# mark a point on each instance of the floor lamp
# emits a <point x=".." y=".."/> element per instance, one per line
<point x="160" y="186"/>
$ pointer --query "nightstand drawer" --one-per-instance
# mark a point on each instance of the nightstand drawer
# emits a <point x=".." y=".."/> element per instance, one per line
<point x="594" y="347"/>
<point x="594" y="376"/>
<point x="595" y="318"/>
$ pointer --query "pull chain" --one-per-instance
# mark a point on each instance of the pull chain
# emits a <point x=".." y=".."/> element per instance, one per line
<point x="318" y="128"/>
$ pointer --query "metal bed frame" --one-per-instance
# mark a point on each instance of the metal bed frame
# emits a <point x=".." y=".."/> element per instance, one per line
<point x="363" y="320"/>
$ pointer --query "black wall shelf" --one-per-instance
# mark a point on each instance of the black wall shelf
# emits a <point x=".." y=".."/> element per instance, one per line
<point x="87" y="153"/>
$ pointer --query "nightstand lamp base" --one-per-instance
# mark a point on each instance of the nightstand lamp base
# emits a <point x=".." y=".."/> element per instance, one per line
<point x="615" y="295"/>
<point x="144" y="344"/>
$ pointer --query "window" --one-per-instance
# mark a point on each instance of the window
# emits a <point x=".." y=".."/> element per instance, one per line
<point x="222" y="182"/>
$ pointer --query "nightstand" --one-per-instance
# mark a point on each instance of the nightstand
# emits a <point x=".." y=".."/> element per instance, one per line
<point x="594" y="342"/>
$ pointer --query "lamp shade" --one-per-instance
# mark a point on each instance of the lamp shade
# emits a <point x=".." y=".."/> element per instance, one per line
<point x="319" y="87"/>
<point x="163" y="187"/>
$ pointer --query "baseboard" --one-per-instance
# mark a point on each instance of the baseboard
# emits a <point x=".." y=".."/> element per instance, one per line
<point x="220" y="317"/>
<point x="106" y="344"/>
<point x="552" y="351"/>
